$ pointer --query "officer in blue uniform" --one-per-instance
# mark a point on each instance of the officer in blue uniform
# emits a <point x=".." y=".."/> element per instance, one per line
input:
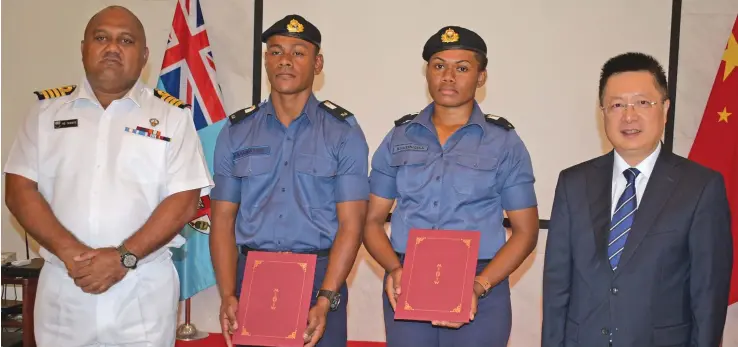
<point x="291" y="175"/>
<point x="452" y="167"/>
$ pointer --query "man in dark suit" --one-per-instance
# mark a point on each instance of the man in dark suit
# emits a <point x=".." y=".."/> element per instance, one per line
<point x="639" y="246"/>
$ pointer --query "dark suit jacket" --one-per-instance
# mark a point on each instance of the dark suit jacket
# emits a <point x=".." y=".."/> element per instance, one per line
<point x="672" y="282"/>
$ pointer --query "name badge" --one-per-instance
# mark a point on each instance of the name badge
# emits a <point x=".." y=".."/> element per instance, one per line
<point x="409" y="147"/>
<point x="68" y="123"/>
<point x="249" y="151"/>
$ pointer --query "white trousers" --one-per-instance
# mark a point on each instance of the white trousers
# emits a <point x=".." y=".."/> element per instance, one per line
<point x="138" y="311"/>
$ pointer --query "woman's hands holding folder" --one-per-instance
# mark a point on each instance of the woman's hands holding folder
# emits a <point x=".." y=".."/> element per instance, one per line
<point x="455" y="325"/>
<point x="393" y="286"/>
<point x="228" y="323"/>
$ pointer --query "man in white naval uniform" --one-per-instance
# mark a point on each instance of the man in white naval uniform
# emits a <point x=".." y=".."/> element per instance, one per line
<point x="104" y="174"/>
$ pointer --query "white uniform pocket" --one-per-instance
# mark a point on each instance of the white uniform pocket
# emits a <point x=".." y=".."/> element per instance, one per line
<point x="141" y="159"/>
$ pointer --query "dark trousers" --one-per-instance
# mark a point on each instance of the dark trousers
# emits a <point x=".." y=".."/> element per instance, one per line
<point x="335" y="334"/>
<point x="490" y="328"/>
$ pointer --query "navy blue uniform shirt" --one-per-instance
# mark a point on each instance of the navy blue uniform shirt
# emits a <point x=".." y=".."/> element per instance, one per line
<point x="288" y="180"/>
<point x="482" y="169"/>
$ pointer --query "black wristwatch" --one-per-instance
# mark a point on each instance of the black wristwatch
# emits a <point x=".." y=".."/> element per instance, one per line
<point x="333" y="297"/>
<point x="128" y="259"/>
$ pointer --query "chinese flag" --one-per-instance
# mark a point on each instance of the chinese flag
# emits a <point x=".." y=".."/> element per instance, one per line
<point x="716" y="143"/>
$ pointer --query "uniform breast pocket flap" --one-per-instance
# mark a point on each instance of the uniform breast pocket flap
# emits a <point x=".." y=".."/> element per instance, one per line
<point x="253" y="166"/>
<point x="316" y="165"/>
<point x="409" y="159"/>
<point x="474" y="174"/>
<point x="411" y="174"/>
<point x="476" y="162"/>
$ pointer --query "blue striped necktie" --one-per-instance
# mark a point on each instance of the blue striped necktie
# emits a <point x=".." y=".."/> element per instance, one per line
<point x="622" y="219"/>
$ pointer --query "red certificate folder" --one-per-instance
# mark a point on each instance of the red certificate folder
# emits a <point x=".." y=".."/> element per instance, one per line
<point x="275" y="299"/>
<point x="438" y="275"/>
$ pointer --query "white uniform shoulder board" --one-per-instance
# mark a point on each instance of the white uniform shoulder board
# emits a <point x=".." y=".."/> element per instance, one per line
<point x="55" y="92"/>
<point x="168" y="98"/>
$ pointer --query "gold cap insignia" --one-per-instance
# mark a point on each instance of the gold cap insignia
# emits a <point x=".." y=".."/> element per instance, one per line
<point x="154" y="122"/>
<point x="449" y="36"/>
<point x="295" y="27"/>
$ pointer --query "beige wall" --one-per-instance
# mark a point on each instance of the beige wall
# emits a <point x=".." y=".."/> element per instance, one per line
<point x="544" y="63"/>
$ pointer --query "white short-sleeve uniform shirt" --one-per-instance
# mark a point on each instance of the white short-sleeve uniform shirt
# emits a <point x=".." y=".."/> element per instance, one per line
<point x="103" y="181"/>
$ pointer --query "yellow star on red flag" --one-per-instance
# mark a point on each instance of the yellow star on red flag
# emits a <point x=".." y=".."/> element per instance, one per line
<point x="724" y="114"/>
<point x="730" y="56"/>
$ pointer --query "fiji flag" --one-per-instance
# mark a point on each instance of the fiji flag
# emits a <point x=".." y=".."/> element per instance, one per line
<point x="188" y="73"/>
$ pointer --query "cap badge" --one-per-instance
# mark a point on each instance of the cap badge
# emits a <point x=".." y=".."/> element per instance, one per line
<point x="449" y="36"/>
<point x="295" y="27"/>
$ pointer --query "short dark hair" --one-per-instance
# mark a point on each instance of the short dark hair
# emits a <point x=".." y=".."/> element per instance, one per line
<point x="634" y="61"/>
<point x="482" y="60"/>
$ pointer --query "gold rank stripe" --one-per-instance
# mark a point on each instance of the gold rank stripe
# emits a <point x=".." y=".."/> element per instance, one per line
<point x="55" y="92"/>
<point x="168" y="98"/>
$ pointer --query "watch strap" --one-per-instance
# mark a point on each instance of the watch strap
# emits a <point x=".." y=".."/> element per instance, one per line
<point x="331" y="296"/>
<point x="327" y="293"/>
<point x="122" y="250"/>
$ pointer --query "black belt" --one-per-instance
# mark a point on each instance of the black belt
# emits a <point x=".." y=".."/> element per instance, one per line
<point x="319" y="253"/>
<point x="401" y="255"/>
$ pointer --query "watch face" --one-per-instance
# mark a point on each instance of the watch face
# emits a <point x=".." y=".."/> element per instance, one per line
<point x="129" y="260"/>
<point x="336" y="301"/>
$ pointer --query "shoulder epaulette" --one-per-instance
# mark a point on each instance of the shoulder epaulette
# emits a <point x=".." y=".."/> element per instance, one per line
<point x="55" y="92"/>
<point x="499" y="121"/>
<point x="168" y="98"/>
<point x="406" y="119"/>
<point x="336" y="111"/>
<point x="240" y="115"/>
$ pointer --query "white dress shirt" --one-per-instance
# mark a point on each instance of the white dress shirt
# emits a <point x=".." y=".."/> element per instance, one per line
<point x="619" y="182"/>
<point x="102" y="182"/>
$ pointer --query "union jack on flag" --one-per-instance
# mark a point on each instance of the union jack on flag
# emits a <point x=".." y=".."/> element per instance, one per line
<point x="188" y="73"/>
<point x="188" y="70"/>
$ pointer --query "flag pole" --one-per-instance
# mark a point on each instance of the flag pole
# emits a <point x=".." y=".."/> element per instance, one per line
<point x="187" y="331"/>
